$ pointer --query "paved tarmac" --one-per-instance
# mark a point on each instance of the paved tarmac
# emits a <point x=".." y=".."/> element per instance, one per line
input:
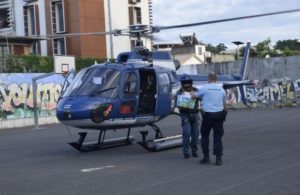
<point x="261" y="156"/>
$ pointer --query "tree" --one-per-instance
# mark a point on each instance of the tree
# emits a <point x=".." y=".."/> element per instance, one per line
<point x="221" y="47"/>
<point x="252" y="53"/>
<point x="211" y="48"/>
<point x="264" y="49"/>
<point x="288" y="44"/>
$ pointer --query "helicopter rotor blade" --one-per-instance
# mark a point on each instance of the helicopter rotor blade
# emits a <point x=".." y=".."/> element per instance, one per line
<point x="84" y="33"/>
<point x="146" y="31"/>
<point x="156" y="29"/>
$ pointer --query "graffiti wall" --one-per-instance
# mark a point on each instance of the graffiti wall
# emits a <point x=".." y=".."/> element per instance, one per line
<point x="16" y="96"/>
<point x="276" y="92"/>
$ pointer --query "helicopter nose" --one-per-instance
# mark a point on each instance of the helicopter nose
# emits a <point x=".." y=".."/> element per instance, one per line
<point x="101" y="112"/>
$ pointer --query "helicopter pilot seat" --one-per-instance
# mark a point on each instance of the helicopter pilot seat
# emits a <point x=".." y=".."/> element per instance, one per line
<point x="147" y="99"/>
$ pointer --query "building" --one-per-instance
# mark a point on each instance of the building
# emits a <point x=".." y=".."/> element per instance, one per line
<point x="189" y="51"/>
<point x="192" y="51"/>
<point x="32" y="21"/>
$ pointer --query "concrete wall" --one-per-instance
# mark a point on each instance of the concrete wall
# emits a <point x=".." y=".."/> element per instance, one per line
<point x="279" y="80"/>
<point x="258" y="69"/>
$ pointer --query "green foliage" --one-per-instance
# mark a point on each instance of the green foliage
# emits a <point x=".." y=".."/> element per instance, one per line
<point x="263" y="48"/>
<point x="85" y="62"/>
<point x="282" y="48"/>
<point x="211" y="48"/>
<point x="39" y="64"/>
<point x="288" y="52"/>
<point x="221" y="47"/>
<point x="253" y="52"/>
<point x="288" y="44"/>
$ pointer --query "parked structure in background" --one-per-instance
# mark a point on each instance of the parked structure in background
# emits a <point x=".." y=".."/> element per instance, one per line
<point x="22" y="20"/>
<point x="223" y="56"/>
<point x="192" y="51"/>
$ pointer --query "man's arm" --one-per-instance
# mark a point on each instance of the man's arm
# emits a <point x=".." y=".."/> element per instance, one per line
<point x="224" y="101"/>
<point x="198" y="93"/>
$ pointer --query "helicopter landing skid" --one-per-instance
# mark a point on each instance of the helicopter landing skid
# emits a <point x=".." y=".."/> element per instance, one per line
<point x="160" y="142"/>
<point x="102" y="142"/>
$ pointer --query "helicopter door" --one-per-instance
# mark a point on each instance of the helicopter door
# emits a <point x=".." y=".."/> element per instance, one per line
<point x="69" y="78"/>
<point x="163" y="100"/>
<point x="147" y="93"/>
<point x="129" y="101"/>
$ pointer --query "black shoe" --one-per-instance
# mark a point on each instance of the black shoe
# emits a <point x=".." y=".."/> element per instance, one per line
<point x="205" y="159"/>
<point x="186" y="156"/>
<point x="219" y="160"/>
<point x="195" y="155"/>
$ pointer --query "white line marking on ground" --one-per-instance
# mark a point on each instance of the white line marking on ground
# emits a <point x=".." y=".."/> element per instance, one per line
<point x="97" y="168"/>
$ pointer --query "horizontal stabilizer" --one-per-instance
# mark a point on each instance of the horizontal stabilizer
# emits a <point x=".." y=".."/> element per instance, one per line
<point x="231" y="84"/>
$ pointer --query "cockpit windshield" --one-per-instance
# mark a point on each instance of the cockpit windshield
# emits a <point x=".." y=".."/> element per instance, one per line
<point x="102" y="82"/>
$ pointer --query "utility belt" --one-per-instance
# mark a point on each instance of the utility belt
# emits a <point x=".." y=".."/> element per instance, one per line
<point x="217" y="116"/>
<point x="213" y="112"/>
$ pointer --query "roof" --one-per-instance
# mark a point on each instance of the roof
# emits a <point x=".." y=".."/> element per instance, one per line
<point x="20" y="39"/>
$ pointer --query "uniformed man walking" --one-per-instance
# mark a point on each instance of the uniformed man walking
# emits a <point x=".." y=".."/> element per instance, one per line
<point x="213" y="113"/>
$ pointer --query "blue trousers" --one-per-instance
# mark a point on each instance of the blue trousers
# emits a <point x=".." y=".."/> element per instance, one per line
<point x="212" y="120"/>
<point x="190" y="132"/>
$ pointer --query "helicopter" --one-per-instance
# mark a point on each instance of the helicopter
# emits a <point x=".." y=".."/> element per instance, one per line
<point x="134" y="91"/>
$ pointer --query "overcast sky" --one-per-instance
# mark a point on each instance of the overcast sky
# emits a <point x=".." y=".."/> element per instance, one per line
<point x="277" y="27"/>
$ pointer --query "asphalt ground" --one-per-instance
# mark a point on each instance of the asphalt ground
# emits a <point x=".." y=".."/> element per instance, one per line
<point x="261" y="156"/>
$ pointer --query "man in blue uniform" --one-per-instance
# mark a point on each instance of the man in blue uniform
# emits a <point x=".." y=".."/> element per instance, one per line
<point x="189" y="119"/>
<point x="214" y="114"/>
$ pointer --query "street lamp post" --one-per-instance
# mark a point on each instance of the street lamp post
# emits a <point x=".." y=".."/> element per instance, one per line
<point x="110" y="29"/>
<point x="237" y="43"/>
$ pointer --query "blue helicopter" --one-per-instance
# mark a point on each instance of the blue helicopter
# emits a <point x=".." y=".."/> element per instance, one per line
<point x="134" y="91"/>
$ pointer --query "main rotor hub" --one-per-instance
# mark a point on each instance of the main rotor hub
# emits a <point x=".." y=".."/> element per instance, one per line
<point x="138" y="28"/>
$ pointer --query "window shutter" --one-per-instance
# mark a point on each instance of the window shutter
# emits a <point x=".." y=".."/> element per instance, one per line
<point x="25" y="21"/>
<point x="131" y="15"/>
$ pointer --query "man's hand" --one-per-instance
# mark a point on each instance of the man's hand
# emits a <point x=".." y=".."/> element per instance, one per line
<point x="193" y="96"/>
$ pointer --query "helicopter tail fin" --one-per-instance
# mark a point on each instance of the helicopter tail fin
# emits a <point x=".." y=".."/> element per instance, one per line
<point x="244" y="65"/>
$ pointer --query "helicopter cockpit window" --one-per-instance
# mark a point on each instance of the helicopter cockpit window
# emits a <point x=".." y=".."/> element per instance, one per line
<point x="130" y="87"/>
<point x="164" y="83"/>
<point x="102" y="82"/>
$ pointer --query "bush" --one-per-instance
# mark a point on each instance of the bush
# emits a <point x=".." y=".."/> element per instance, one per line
<point x="40" y="64"/>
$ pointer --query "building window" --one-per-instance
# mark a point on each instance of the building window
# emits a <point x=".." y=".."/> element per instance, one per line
<point x="59" y="46"/>
<point x="135" y="15"/>
<point x="30" y="20"/>
<point x="5" y="15"/>
<point x="58" y="17"/>
<point x="4" y="53"/>
<point x="134" y="1"/>
<point x="31" y="25"/>
<point x="138" y="15"/>
<point x="34" y="48"/>
<point x="200" y="51"/>
<point x="135" y="43"/>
